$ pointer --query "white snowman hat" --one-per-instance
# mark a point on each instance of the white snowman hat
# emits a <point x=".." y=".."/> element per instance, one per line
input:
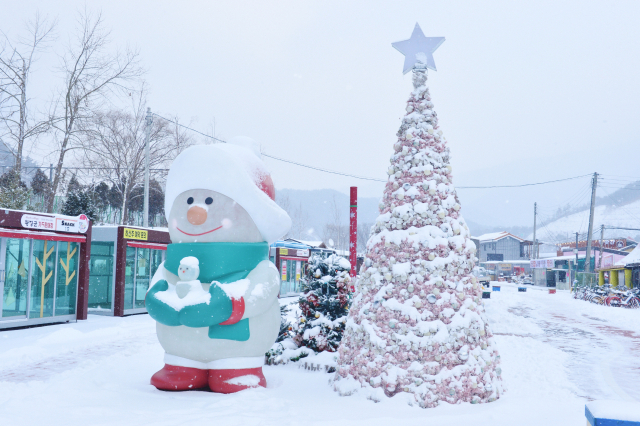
<point x="235" y="171"/>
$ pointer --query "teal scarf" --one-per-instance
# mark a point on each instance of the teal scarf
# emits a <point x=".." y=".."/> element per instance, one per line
<point x="222" y="262"/>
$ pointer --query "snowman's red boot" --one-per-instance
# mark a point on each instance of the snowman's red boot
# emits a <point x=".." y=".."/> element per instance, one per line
<point x="175" y="378"/>
<point x="230" y="381"/>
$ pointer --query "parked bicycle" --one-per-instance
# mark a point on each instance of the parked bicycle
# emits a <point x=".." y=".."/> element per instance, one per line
<point x="619" y="296"/>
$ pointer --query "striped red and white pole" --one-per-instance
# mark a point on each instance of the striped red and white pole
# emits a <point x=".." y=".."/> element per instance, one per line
<point x="353" y="229"/>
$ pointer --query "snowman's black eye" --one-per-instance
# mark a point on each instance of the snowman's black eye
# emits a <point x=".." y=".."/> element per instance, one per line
<point x="190" y="200"/>
<point x="209" y="200"/>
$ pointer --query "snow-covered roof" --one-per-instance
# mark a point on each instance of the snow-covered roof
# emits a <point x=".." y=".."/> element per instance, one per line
<point x="309" y="243"/>
<point x="289" y="243"/>
<point x="633" y="257"/>
<point x="495" y="236"/>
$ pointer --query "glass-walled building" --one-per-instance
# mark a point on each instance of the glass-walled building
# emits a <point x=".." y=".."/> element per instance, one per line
<point x="123" y="261"/>
<point x="40" y="268"/>
<point x="291" y="259"/>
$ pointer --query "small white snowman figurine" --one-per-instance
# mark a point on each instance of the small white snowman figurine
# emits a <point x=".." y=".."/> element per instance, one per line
<point x="215" y="298"/>
<point x="188" y="272"/>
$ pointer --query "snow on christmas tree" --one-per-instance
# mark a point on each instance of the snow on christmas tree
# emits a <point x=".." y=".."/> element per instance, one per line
<point x="417" y="326"/>
<point x="324" y="303"/>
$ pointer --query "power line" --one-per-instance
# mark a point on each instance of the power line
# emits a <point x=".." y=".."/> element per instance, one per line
<point x="271" y="156"/>
<point x="520" y="186"/>
<point x="362" y="177"/>
<point x="189" y="128"/>
<point x="628" y="177"/>
<point x="322" y="170"/>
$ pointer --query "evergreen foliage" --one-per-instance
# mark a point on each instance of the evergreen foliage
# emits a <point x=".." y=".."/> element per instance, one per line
<point x="40" y="184"/>
<point x="78" y="203"/>
<point x="115" y="196"/>
<point x="74" y="185"/>
<point x="156" y="199"/>
<point x="100" y="196"/>
<point x="324" y="304"/>
<point x="283" y="340"/>
<point x="285" y="327"/>
<point x="14" y="193"/>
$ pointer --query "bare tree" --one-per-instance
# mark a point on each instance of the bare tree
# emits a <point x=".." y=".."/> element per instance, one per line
<point x="364" y="232"/>
<point x="92" y="76"/>
<point x="18" y="122"/>
<point x="113" y="143"/>
<point x="299" y="219"/>
<point x="334" y="229"/>
<point x="283" y="201"/>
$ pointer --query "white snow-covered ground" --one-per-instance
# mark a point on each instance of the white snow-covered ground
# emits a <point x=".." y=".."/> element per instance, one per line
<point x="557" y="353"/>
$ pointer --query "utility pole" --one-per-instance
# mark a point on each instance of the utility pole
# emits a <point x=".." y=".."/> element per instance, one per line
<point x="353" y="231"/>
<point x="535" y="245"/>
<point x="601" y="246"/>
<point x="148" y="121"/>
<point x="587" y="260"/>
<point x="575" y="250"/>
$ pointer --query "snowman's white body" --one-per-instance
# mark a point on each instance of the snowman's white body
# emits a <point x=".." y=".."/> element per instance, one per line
<point x="219" y="194"/>
<point x="192" y="347"/>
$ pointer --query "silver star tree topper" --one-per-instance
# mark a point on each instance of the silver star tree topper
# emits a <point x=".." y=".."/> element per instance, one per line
<point x="418" y="50"/>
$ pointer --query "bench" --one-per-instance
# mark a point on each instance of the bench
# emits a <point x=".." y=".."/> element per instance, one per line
<point x="610" y="413"/>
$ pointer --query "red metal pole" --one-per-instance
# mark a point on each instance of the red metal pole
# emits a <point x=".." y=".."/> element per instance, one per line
<point x="83" y="276"/>
<point x="353" y="231"/>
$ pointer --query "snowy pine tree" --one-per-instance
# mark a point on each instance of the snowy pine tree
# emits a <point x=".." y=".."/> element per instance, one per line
<point x="284" y="334"/>
<point x="77" y="203"/>
<point x="417" y="326"/>
<point x="14" y="193"/>
<point x="41" y="189"/>
<point x="40" y="183"/>
<point x="324" y="303"/>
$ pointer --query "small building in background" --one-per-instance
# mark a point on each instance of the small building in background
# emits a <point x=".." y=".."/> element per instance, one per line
<point x="123" y="261"/>
<point x="44" y="272"/>
<point x="624" y="272"/>
<point x="502" y="246"/>
<point x="291" y="258"/>
<point x="503" y="269"/>
<point x="315" y="247"/>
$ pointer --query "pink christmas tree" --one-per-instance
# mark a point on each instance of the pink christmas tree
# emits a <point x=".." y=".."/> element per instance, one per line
<point x="417" y="328"/>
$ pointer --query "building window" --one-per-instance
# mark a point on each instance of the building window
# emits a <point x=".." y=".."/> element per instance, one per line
<point x="101" y="275"/>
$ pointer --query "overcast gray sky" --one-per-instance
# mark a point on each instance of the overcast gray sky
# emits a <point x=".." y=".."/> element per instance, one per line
<point x="525" y="90"/>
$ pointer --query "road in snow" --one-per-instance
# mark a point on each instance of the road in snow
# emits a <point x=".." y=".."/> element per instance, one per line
<point x="603" y="343"/>
<point x="556" y="353"/>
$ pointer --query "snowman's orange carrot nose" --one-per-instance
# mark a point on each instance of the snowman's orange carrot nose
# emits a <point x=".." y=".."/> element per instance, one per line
<point x="196" y="215"/>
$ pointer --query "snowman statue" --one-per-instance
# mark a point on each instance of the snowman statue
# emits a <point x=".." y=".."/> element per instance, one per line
<point x="215" y="297"/>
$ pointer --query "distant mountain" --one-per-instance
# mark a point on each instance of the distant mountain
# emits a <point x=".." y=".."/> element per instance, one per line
<point x="312" y="210"/>
<point x="564" y="228"/>
<point x="7" y="161"/>
<point x="618" y="209"/>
